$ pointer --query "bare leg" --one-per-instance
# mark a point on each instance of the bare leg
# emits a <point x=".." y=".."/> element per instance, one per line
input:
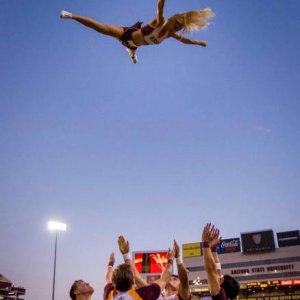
<point x="110" y="30"/>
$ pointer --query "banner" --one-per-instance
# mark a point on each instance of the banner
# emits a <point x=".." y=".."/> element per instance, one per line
<point x="229" y="246"/>
<point x="191" y="249"/>
<point x="258" y="241"/>
<point x="288" y="238"/>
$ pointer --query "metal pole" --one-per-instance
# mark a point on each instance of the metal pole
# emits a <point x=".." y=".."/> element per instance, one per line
<point x="53" y="288"/>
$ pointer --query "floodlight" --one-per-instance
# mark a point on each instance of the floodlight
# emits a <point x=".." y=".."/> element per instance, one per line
<point x="53" y="225"/>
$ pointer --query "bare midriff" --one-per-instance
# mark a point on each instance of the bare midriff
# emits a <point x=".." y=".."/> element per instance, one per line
<point x="138" y="38"/>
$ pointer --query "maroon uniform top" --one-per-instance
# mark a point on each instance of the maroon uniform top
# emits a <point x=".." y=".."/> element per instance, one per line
<point x="173" y="297"/>
<point x="221" y="296"/>
<point x="148" y="292"/>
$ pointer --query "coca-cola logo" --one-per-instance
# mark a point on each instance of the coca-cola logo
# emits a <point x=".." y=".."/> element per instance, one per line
<point x="230" y="244"/>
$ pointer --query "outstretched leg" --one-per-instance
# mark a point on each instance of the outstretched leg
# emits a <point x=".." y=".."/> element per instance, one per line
<point x="110" y="30"/>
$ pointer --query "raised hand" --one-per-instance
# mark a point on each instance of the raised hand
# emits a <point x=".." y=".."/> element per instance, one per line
<point x="123" y="245"/>
<point x="176" y="249"/>
<point x="206" y="233"/>
<point x="215" y="237"/>
<point x="171" y="253"/>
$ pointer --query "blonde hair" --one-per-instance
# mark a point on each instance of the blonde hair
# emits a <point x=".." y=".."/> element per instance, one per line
<point x="195" y="19"/>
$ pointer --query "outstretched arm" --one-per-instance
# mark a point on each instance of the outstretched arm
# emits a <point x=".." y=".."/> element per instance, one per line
<point x="209" y="262"/>
<point x="110" y="268"/>
<point x="184" y="289"/>
<point x="124" y="249"/>
<point x="185" y="40"/>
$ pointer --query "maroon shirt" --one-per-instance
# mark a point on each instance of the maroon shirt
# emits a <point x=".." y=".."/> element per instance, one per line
<point x="221" y="296"/>
<point x="148" y="292"/>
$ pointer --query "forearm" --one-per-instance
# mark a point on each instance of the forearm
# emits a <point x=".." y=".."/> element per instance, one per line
<point x="213" y="276"/>
<point x="217" y="262"/>
<point x="188" y="41"/>
<point x="108" y="275"/>
<point x="215" y="256"/>
<point x="167" y="272"/>
<point x="182" y="273"/>
<point x="184" y="289"/>
<point x="185" y="40"/>
<point x="160" y="9"/>
<point x="165" y="275"/>
<point x="209" y="261"/>
<point x="160" y="5"/>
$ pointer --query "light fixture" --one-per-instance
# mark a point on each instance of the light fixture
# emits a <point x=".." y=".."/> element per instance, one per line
<point x="55" y="226"/>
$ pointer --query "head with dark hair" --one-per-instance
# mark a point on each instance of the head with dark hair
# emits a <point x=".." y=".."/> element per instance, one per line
<point x="230" y="286"/>
<point x="123" y="278"/>
<point x="72" y="290"/>
<point x="80" y="287"/>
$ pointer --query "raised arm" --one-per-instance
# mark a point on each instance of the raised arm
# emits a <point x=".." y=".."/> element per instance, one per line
<point x="110" y="268"/>
<point x="124" y="249"/>
<point x="209" y="262"/>
<point x="215" y="240"/>
<point x="160" y="12"/>
<point x="184" y="289"/>
<point x="168" y="270"/>
<point x="181" y="38"/>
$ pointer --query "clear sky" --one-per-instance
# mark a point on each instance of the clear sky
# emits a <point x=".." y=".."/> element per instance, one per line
<point x="152" y="151"/>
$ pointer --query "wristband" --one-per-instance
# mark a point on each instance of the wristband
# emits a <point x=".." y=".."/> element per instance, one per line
<point x="214" y="249"/>
<point x="110" y="264"/>
<point x="205" y="245"/>
<point x="218" y="266"/>
<point x="170" y="261"/>
<point x="178" y="260"/>
<point x="126" y="256"/>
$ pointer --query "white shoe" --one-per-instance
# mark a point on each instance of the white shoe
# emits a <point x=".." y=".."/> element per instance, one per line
<point x="65" y="15"/>
<point x="132" y="55"/>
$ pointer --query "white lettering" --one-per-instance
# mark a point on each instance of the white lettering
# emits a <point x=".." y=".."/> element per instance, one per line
<point x="230" y="244"/>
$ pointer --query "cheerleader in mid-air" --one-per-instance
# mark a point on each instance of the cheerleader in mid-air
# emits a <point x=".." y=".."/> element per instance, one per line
<point x="154" y="32"/>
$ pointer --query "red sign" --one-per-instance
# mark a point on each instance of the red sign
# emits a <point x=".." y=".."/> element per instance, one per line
<point x="290" y="282"/>
<point x="150" y="262"/>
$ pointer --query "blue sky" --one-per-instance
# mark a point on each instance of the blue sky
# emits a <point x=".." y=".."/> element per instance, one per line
<point x="152" y="151"/>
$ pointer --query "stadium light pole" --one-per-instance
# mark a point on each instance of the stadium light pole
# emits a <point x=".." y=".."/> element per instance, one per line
<point x="55" y="226"/>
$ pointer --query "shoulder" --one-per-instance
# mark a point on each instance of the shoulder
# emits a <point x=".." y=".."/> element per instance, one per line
<point x="107" y="289"/>
<point x="189" y="297"/>
<point x="220" y="296"/>
<point x="149" y="292"/>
